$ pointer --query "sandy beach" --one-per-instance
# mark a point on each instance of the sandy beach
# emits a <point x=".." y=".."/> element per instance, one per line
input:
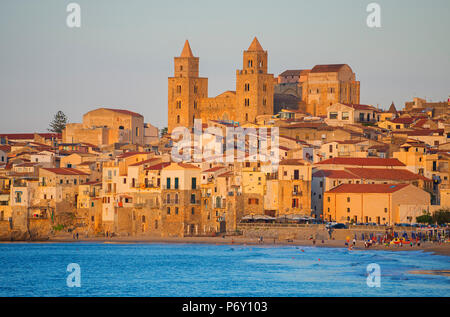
<point x="440" y="249"/>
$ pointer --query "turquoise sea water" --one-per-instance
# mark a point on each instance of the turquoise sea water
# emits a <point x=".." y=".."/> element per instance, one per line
<point x="39" y="269"/>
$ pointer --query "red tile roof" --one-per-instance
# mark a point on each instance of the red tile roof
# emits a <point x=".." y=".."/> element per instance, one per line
<point x="30" y="136"/>
<point x="367" y="188"/>
<point x="327" y="68"/>
<point x="157" y="167"/>
<point x="292" y="162"/>
<point x="386" y="174"/>
<point x="359" y="107"/>
<point x="335" y="174"/>
<point x="366" y="161"/>
<point x="145" y="161"/>
<point x="65" y="171"/>
<point x="214" y="169"/>
<point x="403" y="120"/>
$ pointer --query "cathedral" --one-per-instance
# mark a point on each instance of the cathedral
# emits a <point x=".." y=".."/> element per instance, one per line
<point x="188" y="93"/>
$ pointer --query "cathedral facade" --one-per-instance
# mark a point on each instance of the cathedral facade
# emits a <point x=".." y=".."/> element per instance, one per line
<point x="188" y="93"/>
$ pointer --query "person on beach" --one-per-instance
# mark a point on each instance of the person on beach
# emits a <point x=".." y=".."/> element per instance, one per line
<point x="354" y="241"/>
<point x="77" y="235"/>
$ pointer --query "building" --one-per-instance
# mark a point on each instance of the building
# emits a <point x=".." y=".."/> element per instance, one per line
<point x="188" y="93"/>
<point x="105" y="126"/>
<point x="372" y="203"/>
<point x="340" y="114"/>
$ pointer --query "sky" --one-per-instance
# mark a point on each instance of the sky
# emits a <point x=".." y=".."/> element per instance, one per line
<point x="122" y="54"/>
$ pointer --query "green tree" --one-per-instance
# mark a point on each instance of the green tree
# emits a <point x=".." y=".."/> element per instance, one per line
<point x="163" y="131"/>
<point x="425" y="218"/>
<point x="58" y="123"/>
<point x="441" y="216"/>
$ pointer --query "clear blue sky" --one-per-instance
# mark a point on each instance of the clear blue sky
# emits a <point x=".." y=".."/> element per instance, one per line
<point x="123" y="52"/>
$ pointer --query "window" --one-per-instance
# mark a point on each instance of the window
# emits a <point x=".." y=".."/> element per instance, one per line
<point x="333" y="115"/>
<point x="345" y="116"/>
<point x="178" y="104"/>
<point x="194" y="183"/>
<point x="176" y="210"/>
<point x="246" y="87"/>
<point x="385" y="209"/>
<point x="246" y="117"/>
<point x="264" y="87"/>
<point x="328" y="199"/>
<point x="195" y="89"/>
<point x="348" y="199"/>
<point x="348" y="209"/>
<point x="250" y="63"/>
<point x="137" y="131"/>
<point x="168" y="183"/>
<point x="246" y="102"/>
<point x="179" y="89"/>
<point x="168" y="210"/>
<point x="193" y="210"/>
<point x="178" y="119"/>
<point x="176" y="183"/>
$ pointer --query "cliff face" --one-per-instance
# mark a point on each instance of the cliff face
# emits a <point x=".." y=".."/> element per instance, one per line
<point x="31" y="230"/>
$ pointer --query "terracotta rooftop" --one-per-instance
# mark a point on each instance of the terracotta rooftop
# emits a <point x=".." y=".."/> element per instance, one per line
<point x="214" y="169"/>
<point x="157" y="167"/>
<point x="30" y="136"/>
<point x="367" y="188"/>
<point x="292" y="162"/>
<point x="145" y="161"/>
<point x="65" y="171"/>
<point x="403" y="120"/>
<point x="386" y="174"/>
<point x="366" y="161"/>
<point x="360" y="107"/>
<point x="327" y="68"/>
<point x="334" y="174"/>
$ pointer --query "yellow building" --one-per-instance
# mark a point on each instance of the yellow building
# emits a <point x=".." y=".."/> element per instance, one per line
<point x="371" y="203"/>
<point x="188" y="93"/>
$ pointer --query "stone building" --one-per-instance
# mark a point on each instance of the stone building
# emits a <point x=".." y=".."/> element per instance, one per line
<point x="188" y="93"/>
<point x="105" y="126"/>
<point x="320" y="87"/>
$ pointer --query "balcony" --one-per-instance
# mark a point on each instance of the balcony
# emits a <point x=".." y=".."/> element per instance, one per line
<point x="17" y="183"/>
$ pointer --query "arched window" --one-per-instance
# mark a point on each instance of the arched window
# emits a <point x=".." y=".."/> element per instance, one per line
<point x="176" y="198"/>
<point x="178" y="119"/>
<point x="250" y="63"/>
<point x="168" y="198"/>
<point x="246" y="117"/>
<point x="218" y="201"/>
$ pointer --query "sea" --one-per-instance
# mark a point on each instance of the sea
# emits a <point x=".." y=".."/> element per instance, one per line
<point x="208" y="270"/>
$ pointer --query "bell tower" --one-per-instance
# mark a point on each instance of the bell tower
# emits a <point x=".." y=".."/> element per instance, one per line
<point x="254" y="86"/>
<point x="185" y="89"/>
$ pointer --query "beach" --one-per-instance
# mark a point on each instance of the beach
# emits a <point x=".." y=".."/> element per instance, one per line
<point x="436" y="248"/>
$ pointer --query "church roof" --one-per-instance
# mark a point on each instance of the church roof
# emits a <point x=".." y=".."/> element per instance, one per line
<point x="255" y="46"/>
<point x="392" y="109"/>
<point x="187" y="52"/>
<point x="331" y="68"/>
